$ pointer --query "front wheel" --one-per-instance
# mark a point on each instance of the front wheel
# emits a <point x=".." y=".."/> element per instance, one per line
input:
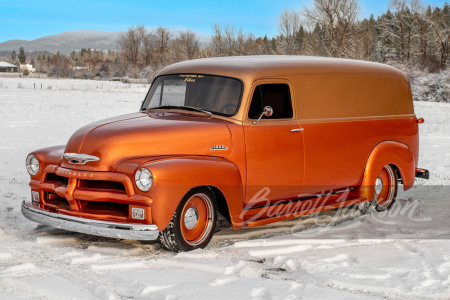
<point x="193" y="222"/>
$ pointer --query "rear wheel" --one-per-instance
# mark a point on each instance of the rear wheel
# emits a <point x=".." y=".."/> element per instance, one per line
<point x="385" y="192"/>
<point x="385" y="189"/>
<point x="193" y="223"/>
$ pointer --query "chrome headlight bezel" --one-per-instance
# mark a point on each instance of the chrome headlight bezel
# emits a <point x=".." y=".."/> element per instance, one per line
<point x="32" y="164"/>
<point x="143" y="179"/>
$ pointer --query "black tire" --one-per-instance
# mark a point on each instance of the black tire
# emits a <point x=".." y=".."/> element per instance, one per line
<point x="385" y="195"/>
<point x="362" y="207"/>
<point x="175" y="237"/>
<point x="390" y="183"/>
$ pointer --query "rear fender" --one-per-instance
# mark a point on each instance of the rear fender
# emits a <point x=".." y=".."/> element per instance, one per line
<point x="388" y="153"/>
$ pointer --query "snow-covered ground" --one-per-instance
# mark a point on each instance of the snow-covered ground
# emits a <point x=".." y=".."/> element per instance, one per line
<point x="404" y="254"/>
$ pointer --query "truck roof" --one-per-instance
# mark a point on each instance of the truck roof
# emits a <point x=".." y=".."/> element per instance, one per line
<point x="276" y="65"/>
<point x="323" y="88"/>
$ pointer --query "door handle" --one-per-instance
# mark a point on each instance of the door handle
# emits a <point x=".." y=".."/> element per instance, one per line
<point x="297" y="129"/>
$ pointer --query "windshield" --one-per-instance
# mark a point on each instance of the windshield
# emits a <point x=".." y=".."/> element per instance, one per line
<point x="219" y="95"/>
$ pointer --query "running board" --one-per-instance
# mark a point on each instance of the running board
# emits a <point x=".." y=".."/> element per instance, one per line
<point x="251" y="222"/>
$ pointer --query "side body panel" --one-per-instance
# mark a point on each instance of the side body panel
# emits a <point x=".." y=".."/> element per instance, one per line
<point x="336" y="153"/>
<point x="344" y="116"/>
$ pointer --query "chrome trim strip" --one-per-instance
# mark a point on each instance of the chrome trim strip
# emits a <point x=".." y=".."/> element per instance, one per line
<point x="95" y="227"/>
<point x="79" y="159"/>
<point x="344" y="119"/>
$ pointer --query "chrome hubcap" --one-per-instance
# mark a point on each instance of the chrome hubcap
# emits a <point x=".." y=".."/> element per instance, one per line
<point x="378" y="186"/>
<point x="191" y="218"/>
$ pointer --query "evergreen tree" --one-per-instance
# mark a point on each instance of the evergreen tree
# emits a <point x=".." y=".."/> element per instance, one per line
<point x="22" y="58"/>
<point x="299" y="38"/>
<point x="273" y="44"/>
<point x="13" y="56"/>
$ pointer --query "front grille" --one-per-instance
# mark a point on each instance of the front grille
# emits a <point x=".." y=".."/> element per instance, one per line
<point x="56" y="179"/>
<point x="101" y="199"/>
<point x="110" y="186"/>
<point x="53" y="200"/>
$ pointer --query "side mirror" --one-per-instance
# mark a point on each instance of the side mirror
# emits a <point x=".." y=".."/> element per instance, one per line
<point x="267" y="111"/>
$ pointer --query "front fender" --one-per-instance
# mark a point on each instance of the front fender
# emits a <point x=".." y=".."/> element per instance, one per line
<point x="47" y="156"/>
<point x="388" y="153"/>
<point x="174" y="177"/>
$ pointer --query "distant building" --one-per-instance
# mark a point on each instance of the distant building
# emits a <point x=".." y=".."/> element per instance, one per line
<point x="27" y="67"/>
<point x="7" y="67"/>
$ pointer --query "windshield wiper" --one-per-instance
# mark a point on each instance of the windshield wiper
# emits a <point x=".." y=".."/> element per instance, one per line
<point x="190" y="108"/>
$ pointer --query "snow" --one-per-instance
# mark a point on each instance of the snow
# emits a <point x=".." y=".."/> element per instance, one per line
<point x="430" y="87"/>
<point x="404" y="253"/>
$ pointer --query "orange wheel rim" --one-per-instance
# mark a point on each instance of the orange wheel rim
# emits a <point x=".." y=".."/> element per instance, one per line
<point x="385" y="187"/>
<point x="197" y="218"/>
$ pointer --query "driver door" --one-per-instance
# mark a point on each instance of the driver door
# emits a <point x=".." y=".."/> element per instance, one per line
<point x="274" y="146"/>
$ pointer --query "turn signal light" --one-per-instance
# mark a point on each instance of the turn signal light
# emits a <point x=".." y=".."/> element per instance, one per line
<point x="35" y="197"/>
<point x="137" y="213"/>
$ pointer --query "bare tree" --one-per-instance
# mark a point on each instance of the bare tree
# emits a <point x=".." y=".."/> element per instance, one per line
<point x="217" y="41"/>
<point x="400" y="26"/>
<point x="440" y="22"/>
<point x="424" y="32"/>
<point x="289" y="28"/>
<point x="162" y="42"/>
<point x="148" y="48"/>
<point x="227" y="41"/>
<point x="230" y="42"/>
<point x="368" y="40"/>
<point x="130" y="43"/>
<point x="59" y="66"/>
<point x="189" y="44"/>
<point x="335" y="20"/>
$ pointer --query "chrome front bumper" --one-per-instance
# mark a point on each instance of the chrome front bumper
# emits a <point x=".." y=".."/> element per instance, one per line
<point x="142" y="232"/>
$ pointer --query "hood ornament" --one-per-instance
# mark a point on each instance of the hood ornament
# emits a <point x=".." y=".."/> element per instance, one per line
<point x="79" y="159"/>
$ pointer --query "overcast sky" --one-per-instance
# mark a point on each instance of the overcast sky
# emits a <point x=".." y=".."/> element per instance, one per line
<point x="29" y="20"/>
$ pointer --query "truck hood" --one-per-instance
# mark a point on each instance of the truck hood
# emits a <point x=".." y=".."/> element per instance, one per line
<point x="145" y="135"/>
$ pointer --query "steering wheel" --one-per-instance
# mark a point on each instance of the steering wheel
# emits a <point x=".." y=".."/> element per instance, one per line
<point x="226" y="107"/>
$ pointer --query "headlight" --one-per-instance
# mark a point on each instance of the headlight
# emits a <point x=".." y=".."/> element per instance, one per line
<point x="32" y="164"/>
<point x="144" y="179"/>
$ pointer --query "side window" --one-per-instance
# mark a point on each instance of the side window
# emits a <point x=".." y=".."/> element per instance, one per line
<point x="276" y="96"/>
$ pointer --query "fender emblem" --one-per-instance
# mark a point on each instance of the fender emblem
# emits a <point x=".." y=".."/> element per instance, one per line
<point x="79" y="159"/>
<point x="218" y="147"/>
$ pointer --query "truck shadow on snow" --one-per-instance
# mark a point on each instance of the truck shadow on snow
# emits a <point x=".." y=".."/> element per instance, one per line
<point x="409" y="218"/>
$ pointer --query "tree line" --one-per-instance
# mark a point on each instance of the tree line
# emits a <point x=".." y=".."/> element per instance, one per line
<point x="408" y="35"/>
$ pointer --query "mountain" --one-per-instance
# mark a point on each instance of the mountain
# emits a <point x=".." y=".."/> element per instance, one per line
<point x="68" y="41"/>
